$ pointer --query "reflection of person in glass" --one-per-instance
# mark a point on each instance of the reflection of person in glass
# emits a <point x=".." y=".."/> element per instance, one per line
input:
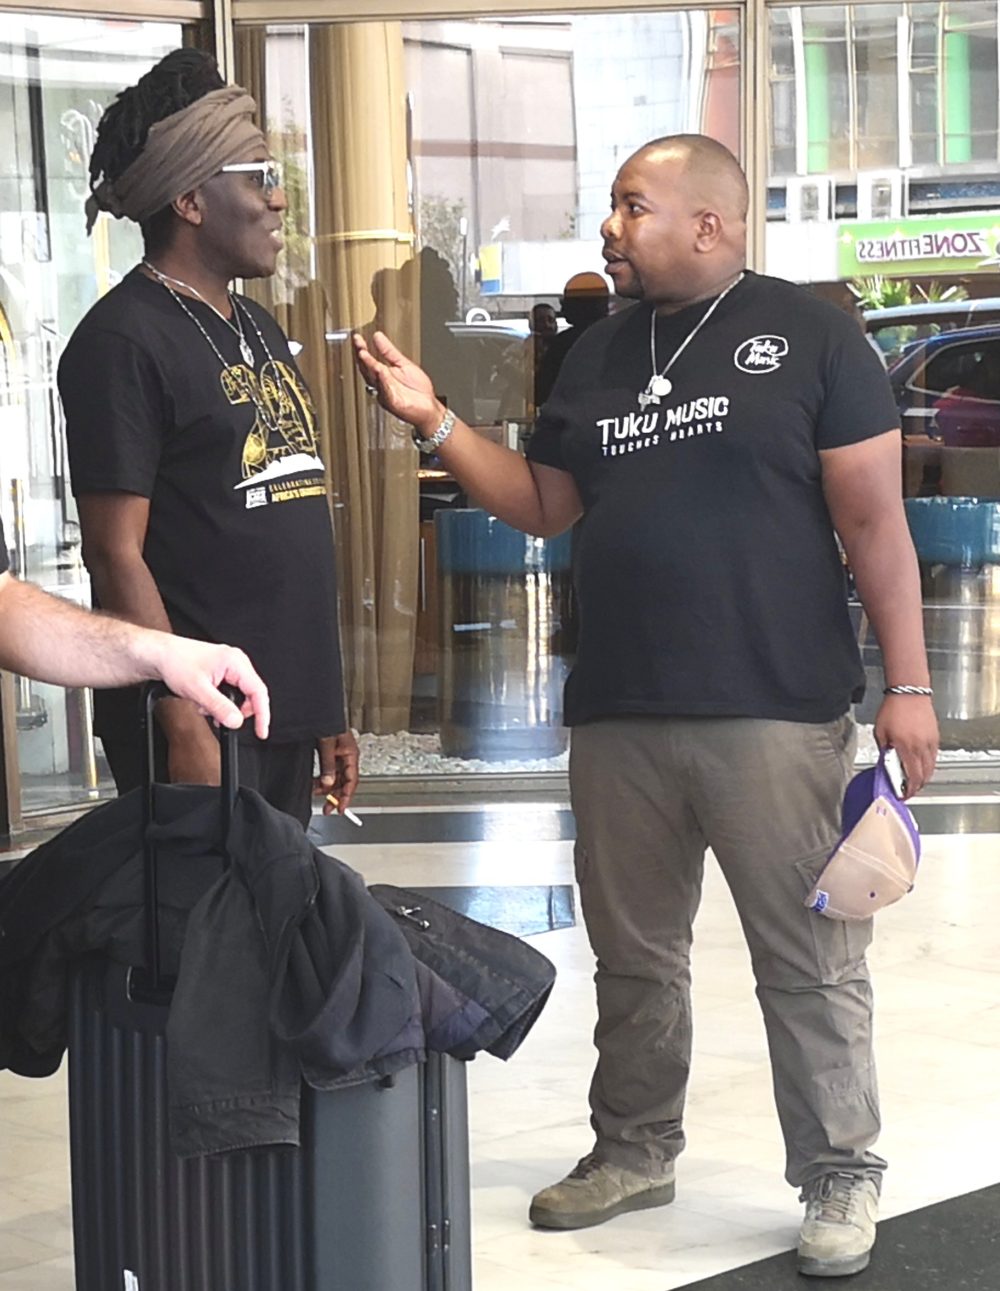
<point x="192" y="438"/>
<point x="427" y="279"/>
<point x="543" y="323"/>
<point x="713" y="437"/>
<point x="393" y="299"/>
<point x="584" y="301"/>
<point x="516" y="371"/>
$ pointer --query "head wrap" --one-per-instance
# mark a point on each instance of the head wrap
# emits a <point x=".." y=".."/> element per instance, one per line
<point x="181" y="152"/>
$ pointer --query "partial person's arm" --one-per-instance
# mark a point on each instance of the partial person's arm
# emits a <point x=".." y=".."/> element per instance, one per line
<point x="537" y="499"/>
<point x="861" y="483"/>
<point x="52" y="640"/>
<point x="339" y="771"/>
<point x="114" y="532"/>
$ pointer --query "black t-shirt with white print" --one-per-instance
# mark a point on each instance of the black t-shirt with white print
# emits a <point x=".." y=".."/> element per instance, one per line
<point x="709" y="578"/>
<point x="239" y="541"/>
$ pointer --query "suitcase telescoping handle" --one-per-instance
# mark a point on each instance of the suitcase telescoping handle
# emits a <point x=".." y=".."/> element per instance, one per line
<point x="152" y="987"/>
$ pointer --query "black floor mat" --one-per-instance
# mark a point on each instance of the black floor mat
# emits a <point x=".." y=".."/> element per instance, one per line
<point x="480" y="824"/>
<point x="951" y="1246"/>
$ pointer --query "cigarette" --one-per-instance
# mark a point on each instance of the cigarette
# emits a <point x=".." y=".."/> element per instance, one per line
<point x="334" y="801"/>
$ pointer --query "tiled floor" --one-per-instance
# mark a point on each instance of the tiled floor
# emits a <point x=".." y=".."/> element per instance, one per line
<point x="937" y="975"/>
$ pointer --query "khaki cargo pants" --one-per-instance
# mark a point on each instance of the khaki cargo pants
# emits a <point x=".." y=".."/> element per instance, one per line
<point x="650" y="794"/>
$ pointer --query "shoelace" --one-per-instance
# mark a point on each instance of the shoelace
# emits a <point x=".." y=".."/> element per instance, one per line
<point x="835" y="1196"/>
<point x="585" y="1167"/>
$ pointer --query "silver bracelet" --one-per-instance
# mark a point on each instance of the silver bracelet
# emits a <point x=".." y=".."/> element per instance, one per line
<point x="433" y="442"/>
<point x="907" y="690"/>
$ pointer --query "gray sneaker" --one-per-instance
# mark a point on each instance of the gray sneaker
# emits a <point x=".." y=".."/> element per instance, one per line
<point x="838" y="1232"/>
<point x="597" y="1190"/>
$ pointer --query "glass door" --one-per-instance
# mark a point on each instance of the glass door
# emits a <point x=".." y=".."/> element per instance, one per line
<point x="57" y="74"/>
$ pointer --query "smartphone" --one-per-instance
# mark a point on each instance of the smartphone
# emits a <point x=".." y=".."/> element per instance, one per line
<point x="894" y="770"/>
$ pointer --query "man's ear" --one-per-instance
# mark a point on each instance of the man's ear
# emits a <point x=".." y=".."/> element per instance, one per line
<point x="189" y="207"/>
<point x="708" y="230"/>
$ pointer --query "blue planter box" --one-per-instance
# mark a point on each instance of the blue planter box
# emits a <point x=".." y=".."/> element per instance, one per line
<point x="955" y="531"/>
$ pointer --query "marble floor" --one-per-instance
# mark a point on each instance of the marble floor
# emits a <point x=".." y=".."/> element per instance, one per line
<point x="936" y="966"/>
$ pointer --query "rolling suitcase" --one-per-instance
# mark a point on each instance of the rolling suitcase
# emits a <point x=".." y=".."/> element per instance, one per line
<point x="375" y="1199"/>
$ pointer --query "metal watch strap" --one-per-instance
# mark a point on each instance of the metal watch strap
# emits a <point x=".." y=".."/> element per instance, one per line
<point x="434" y="442"/>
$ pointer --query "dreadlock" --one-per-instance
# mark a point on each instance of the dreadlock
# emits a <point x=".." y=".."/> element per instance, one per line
<point x="179" y="79"/>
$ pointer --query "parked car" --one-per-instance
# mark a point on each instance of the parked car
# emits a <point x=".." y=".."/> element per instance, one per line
<point x="499" y="360"/>
<point x="898" y="326"/>
<point x="947" y="387"/>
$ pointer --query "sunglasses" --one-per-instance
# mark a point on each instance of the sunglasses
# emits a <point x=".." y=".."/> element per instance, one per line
<point x="266" y="174"/>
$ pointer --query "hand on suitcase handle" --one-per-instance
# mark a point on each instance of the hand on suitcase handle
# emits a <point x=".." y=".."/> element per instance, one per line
<point x="219" y="679"/>
<point x="157" y="690"/>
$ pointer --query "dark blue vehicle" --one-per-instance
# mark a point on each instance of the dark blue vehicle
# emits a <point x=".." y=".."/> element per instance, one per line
<point x="947" y="388"/>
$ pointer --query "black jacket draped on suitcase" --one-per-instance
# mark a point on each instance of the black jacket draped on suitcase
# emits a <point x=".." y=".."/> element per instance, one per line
<point x="311" y="973"/>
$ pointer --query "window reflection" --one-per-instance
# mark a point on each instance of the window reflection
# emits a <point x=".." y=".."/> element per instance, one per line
<point x="782" y="81"/>
<point x="969" y="54"/>
<point x="924" y="81"/>
<point x="875" y="85"/>
<point x="467" y="241"/>
<point x="57" y="74"/>
<point x="887" y="177"/>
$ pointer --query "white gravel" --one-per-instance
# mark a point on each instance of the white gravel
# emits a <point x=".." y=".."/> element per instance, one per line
<point x="408" y="754"/>
<point x="414" y="755"/>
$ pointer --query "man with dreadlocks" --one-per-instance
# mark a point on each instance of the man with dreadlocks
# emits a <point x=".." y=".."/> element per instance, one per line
<point x="192" y="439"/>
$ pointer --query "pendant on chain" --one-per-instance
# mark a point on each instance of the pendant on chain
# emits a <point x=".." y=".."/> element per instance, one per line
<point x="658" y="388"/>
<point x="247" y="352"/>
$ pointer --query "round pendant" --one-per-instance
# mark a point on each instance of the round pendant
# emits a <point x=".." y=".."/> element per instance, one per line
<point x="660" y="386"/>
<point x="246" y="351"/>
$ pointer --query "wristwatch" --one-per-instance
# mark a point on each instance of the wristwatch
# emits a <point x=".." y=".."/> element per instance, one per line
<point x="434" y="442"/>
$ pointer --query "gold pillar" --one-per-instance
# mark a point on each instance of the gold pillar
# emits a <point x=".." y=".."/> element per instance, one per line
<point x="363" y="232"/>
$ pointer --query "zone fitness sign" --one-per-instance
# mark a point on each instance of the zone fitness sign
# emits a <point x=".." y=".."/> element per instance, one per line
<point x="929" y="244"/>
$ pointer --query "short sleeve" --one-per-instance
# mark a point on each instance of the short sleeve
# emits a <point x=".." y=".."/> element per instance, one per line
<point x="545" y="445"/>
<point x="858" y="403"/>
<point x="115" y="407"/>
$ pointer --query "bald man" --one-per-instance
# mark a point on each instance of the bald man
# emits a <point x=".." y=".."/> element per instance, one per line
<point x="584" y="301"/>
<point x="713" y="438"/>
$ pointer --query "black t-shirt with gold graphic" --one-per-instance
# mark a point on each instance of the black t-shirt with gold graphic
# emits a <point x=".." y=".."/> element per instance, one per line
<point x="239" y="540"/>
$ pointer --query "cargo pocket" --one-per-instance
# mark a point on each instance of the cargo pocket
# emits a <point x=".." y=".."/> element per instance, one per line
<point x="839" y="944"/>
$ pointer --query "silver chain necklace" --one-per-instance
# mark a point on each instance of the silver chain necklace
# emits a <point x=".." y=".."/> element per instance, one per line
<point x="272" y="423"/>
<point x="659" y="383"/>
<point x="237" y="328"/>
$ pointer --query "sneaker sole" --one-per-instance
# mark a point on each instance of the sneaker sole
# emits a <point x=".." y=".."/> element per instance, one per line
<point x="647" y="1200"/>
<point x="833" y="1268"/>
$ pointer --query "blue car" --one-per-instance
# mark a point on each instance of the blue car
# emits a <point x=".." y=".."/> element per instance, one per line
<point x="947" y="388"/>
